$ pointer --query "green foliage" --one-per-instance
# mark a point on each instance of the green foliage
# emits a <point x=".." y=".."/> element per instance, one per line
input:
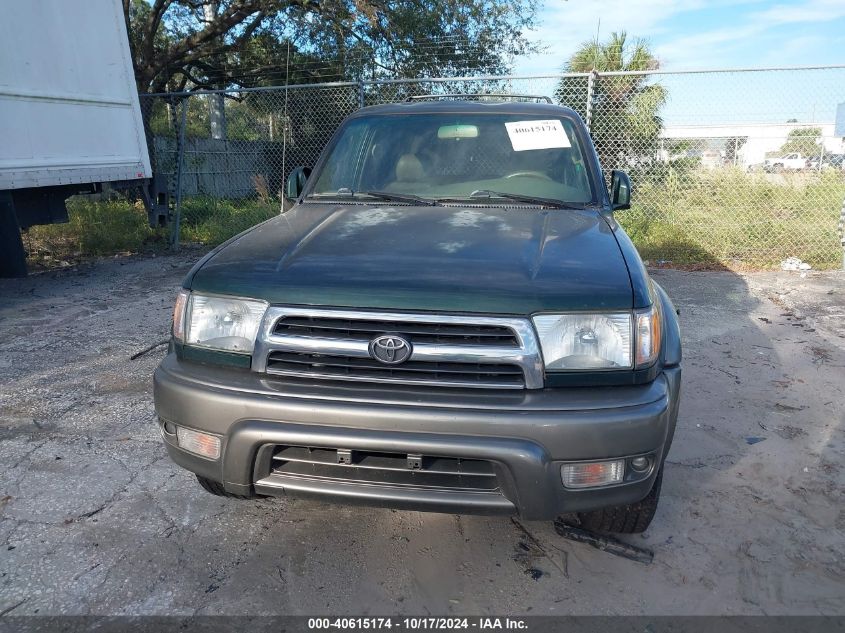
<point x="730" y="217"/>
<point x="626" y="122"/>
<point x="244" y="43"/>
<point x="803" y="140"/>
<point x="693" y="218"/>
<point x="211" y="220"/>
<point x="94" y="228"/>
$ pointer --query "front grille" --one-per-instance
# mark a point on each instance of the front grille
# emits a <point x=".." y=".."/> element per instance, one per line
<point x="445" y="350"/>
<point x="456" y="374"/>
<point x="415" y="332"/>
<point x="393" y="469"/>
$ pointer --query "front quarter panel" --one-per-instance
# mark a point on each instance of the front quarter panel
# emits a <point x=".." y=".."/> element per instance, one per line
<point x="671" y="343"/>
<point x="636" y="269"/>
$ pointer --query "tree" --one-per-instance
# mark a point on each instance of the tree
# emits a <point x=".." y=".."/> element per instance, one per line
<point x="625" y="121"/>
<point x="179" y="44"/>
<point x="804" y="140"/>
<point x="732" y="147"/>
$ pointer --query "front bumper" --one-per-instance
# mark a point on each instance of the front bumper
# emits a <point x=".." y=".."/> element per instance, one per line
<point x="526" y="435"/>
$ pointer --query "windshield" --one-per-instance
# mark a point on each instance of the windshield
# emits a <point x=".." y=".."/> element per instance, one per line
<point x="457" y="156"/>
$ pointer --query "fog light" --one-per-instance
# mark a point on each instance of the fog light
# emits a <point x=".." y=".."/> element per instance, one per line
<point x="199" y="443"/>
<point x="639" y="464"/>
<point x="588" y="474"/>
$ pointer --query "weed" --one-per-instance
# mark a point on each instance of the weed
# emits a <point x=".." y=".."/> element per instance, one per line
<point x="697" y="218"/>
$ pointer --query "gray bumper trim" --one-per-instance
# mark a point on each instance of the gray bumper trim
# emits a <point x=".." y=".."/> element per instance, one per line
<point x="510" y="455"/>
<point x="388" y="496"/>
<point x="527" y="442"/>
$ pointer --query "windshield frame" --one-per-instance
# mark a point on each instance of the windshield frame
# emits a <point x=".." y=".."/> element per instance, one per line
<point x="595" y="179"/>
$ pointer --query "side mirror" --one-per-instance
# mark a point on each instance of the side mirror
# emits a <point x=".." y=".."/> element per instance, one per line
<point x="620" y="190"/>
<point x="296" y="182"/>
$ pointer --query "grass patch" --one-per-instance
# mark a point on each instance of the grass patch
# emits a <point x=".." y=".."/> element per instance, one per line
<point x="211" y="220"/>
<point x="735" y="219"/>
<point x="94" y="227"/>
<point x="721" y="218"/>
<point x="109" y="227"/>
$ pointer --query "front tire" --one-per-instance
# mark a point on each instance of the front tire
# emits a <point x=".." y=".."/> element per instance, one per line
<point x="630" y="519"/>
<point x="217" y="489"/>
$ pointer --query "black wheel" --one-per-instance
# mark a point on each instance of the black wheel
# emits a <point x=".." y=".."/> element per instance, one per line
<point x="216" y="488"/>
<point x="630" y="519"/>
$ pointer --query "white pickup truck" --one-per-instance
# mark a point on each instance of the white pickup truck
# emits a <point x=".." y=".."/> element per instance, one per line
<point x="788" y="162"/>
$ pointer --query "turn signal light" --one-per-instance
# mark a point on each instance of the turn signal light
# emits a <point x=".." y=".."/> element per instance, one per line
<point x="199" y="443"/>
<point x="590" y="474"/>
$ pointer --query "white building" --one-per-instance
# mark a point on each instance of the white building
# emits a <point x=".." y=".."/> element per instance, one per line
<point x="761" y="138"/>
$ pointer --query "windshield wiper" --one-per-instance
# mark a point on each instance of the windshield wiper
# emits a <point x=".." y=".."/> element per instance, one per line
<point x="398" y="197"/>
<point x="518" y="197"/>
<point x="345" y="192"/>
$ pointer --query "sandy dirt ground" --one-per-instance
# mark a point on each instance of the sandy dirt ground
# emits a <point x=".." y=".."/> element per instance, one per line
<point x="95" y="519"/>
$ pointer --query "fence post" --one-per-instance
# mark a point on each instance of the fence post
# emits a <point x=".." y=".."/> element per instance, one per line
<point x="591" y="80"/>
<point x="842" y="232"/>
<point x="361" y="94"/>
<point x="180" y="159"/>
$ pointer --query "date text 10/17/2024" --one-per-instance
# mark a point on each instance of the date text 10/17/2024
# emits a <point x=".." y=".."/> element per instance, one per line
<point x="418" y="624"/>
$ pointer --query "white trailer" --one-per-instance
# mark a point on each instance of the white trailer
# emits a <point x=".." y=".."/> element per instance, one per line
<point x="70" y="121"/>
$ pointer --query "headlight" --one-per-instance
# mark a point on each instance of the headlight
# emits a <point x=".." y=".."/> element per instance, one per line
<point x="599" y="341"/>
<point x="221" y="323"/>
<point x="585" y="341"/>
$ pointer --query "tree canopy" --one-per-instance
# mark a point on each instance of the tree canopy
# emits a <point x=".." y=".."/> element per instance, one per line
<point x="625" y="117"/>
<point x="179" y="44"/>
<point x="804" y="140"/>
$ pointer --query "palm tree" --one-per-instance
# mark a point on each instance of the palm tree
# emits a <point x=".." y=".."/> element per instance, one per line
<point x="625" y="122"/>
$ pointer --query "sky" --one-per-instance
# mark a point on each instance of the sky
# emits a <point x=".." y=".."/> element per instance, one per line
<point x="715" y="34"/>
<point x="693" y="34"/>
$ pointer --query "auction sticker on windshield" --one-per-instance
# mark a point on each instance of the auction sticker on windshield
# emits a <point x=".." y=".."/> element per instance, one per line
<point x="527" y="135"/>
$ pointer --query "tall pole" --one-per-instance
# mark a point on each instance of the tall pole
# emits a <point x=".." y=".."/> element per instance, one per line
<point x="285" y="129"/>
<point x="591" y="86"/>
<point x="216" y="102"/>
<point x="180" y="161"/>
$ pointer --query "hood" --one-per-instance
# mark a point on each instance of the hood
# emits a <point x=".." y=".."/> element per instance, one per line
<point x="455" y="259"/>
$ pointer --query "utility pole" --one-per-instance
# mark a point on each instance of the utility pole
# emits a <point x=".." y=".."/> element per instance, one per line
<point x="216" y="102"/>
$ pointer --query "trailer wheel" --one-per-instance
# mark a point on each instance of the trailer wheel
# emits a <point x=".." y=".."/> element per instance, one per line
<point x="12" y="254"/>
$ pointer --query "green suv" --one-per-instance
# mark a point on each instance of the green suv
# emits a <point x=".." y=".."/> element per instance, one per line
<point x="447" y="319"/>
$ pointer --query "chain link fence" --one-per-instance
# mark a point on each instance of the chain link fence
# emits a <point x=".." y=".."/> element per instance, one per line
<point x="729" y="167"/>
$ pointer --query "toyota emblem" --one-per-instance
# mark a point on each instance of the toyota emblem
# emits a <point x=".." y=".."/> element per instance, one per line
<point x="390" y="349"/>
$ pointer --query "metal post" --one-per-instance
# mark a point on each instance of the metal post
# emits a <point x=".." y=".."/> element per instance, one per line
<point x="360" y="94"/>
<point x="591" y="79"/>
<point x="180" y="160"/>
<point x="842" y="232"/>
<point x="285" y="127"/>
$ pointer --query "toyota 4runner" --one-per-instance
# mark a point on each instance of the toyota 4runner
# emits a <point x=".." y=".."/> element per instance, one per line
<point x="449" y="318"/>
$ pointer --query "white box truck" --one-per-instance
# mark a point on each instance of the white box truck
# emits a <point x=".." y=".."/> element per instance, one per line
<point x="70" y="120"/>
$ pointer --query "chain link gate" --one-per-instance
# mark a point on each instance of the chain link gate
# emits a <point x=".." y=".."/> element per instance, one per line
<point x="700" y="148"/>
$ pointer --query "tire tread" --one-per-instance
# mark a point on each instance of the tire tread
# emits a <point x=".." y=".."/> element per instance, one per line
<point x="629" y="519"/>
<point x="217" y="489"/>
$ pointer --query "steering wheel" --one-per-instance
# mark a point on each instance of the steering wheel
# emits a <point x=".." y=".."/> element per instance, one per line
<point x="528" y="174"/>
